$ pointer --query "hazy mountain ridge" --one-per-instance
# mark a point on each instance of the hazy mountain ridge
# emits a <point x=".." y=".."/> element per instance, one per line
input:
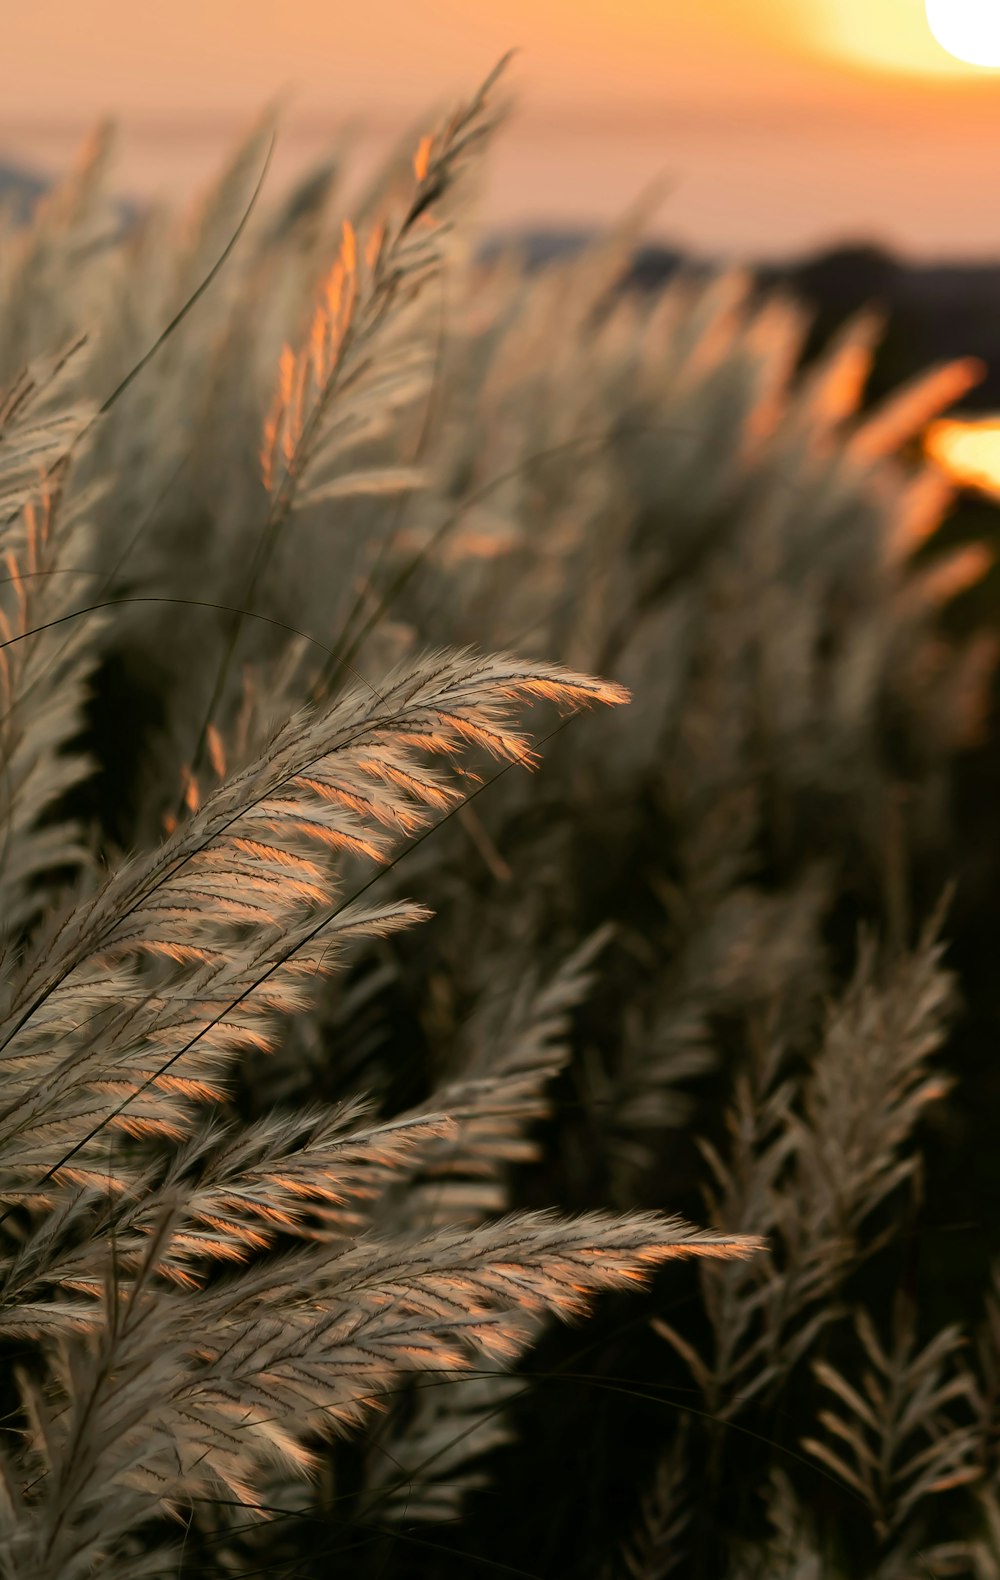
<point x="21" y="188"/>
<point x="935" y="311"/>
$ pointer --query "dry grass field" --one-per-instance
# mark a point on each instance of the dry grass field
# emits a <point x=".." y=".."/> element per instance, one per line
<point x="492" y="799"/>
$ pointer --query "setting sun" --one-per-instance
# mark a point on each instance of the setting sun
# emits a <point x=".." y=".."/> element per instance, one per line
<point x="968" y="29"/>
<point x="936" y="38"/>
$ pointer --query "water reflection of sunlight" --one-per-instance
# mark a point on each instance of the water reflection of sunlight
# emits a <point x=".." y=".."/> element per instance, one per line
<point x="969" y="452"/>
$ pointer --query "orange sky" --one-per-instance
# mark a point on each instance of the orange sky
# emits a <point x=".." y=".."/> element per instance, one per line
<point x="781" y="123"/>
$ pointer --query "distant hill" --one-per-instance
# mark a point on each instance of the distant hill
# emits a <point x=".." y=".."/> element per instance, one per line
<point x="21" y="188"/>
<point x="934" y="311"/>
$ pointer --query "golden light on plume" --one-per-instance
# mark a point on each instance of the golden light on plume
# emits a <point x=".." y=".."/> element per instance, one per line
<point x="969" y="452"/>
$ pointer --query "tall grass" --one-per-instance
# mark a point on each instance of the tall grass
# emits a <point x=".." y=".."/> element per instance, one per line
<point x="302" y="510"/>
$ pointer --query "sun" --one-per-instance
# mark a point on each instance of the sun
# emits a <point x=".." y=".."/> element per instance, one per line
<point x="968" y="29"/>
<point x="942" y="40"/>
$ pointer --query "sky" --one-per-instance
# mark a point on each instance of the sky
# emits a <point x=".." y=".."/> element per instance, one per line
<point x="780" y="126"/>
